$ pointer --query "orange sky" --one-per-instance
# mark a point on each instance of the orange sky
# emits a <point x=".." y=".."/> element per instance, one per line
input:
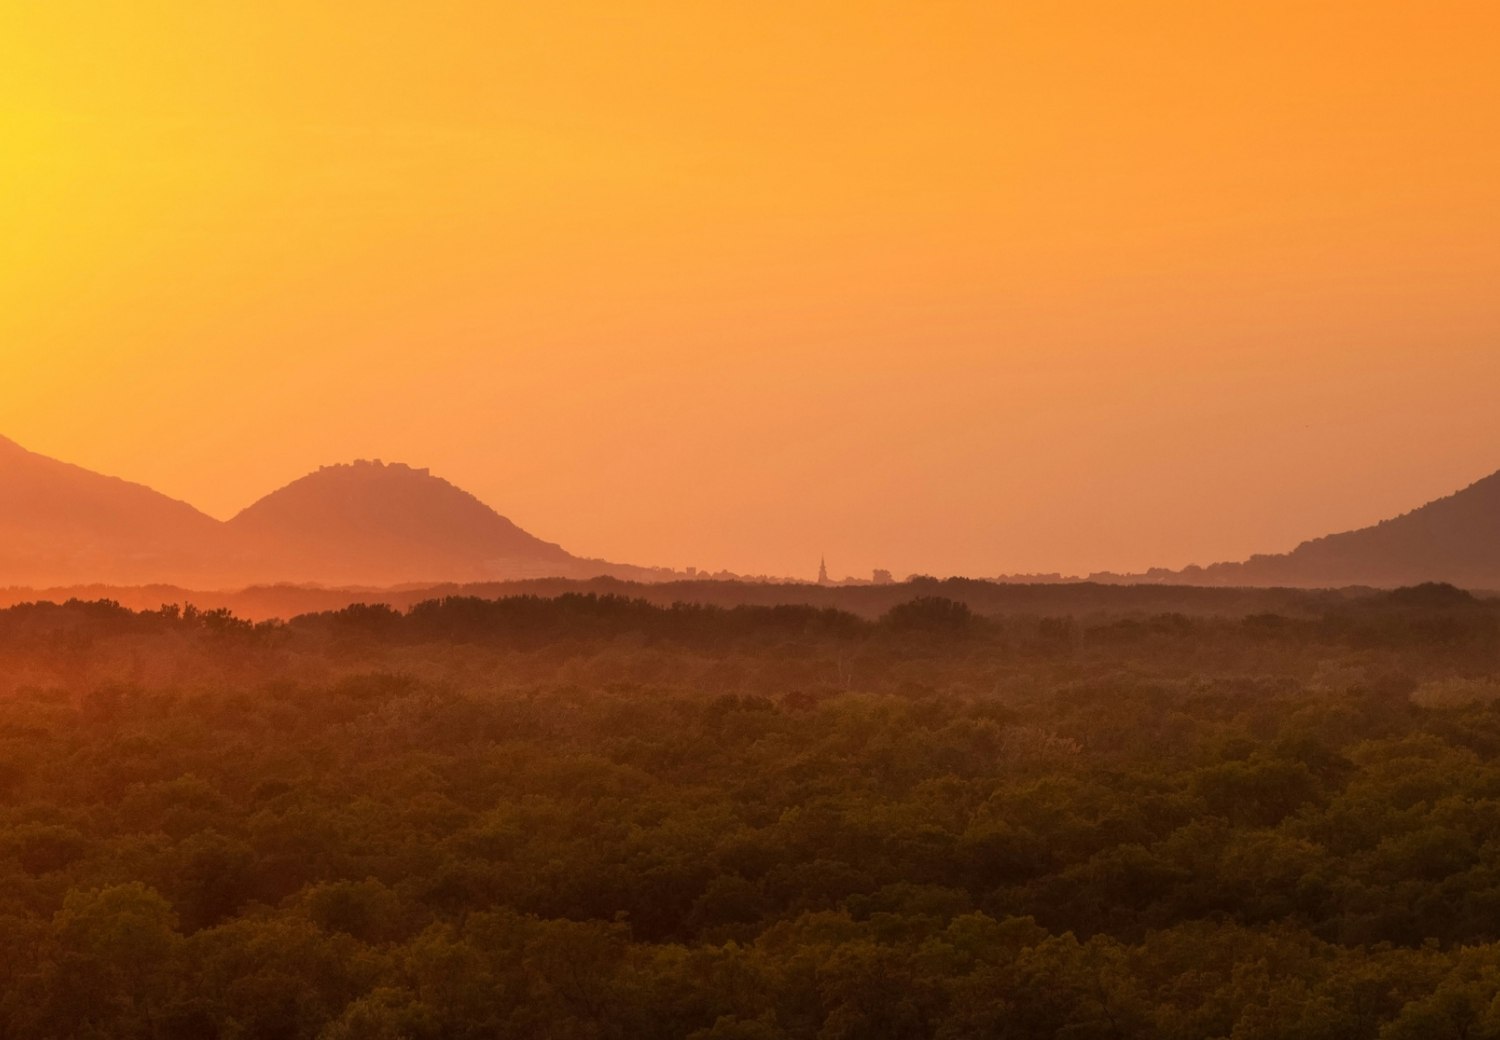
<point x="935" y="286"/>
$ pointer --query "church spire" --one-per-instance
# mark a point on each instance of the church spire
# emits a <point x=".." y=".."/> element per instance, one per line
<point x="823" y="578"/>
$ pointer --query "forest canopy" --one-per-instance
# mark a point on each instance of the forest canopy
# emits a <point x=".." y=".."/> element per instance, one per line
<point x="594" y="817"/>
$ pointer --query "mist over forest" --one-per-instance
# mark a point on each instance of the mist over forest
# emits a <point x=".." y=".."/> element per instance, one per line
<point x="587" y="816"/>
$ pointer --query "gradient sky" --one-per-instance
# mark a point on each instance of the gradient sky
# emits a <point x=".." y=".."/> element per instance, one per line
<point x="934" y="286"/>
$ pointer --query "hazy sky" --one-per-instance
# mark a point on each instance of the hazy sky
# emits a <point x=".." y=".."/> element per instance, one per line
<point x="935" y="286"/>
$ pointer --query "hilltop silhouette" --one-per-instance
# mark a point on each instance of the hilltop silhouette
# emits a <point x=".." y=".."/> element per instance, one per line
<point x="361" y="524"/>
<point x="1455" y="539"/>
<point x="374" y="523"/>
<point x="62" y="524"/>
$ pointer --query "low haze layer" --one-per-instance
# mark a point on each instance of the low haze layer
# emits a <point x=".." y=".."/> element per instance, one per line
<point x="371" y="523"/>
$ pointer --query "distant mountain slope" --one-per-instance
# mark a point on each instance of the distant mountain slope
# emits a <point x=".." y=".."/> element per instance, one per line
<point x="1454" y="539"/>
<point x="365" y="524"/>
<point x="379" y="524"/>
<point x="61" y="523"/>
<point x="371" y="524"/>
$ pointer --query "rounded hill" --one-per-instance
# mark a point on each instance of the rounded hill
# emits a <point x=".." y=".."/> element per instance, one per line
<point x="62" y="524"/>
<point x="377" y="523"/>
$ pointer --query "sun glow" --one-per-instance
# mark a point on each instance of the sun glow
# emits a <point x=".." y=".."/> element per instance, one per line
<point x="858" y="276"/>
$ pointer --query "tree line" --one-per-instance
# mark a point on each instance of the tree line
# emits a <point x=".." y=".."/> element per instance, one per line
<point x="591" y="817"/>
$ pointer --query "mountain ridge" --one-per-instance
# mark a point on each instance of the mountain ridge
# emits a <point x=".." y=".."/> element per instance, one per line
<point x="377" y="524"/>
<point x="362" y="523"/>
<point x="61" y="520"/>
<point x="372" y="521"/>
<point x="1453" y="539"/>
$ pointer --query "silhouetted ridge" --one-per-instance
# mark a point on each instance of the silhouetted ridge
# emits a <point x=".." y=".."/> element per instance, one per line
<point x="1455" y="540"/>
<point x="363" y="524"/>
<point x="62" y="523"/>
<point x="376" y="524"/>
<point x="379" y="523"/>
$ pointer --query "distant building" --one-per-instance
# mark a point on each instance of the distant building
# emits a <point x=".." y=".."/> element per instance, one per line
<point x="823" y="578"/>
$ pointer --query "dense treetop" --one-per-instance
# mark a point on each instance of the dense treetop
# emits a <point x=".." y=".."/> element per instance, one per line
<point x="593" y="817"/>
